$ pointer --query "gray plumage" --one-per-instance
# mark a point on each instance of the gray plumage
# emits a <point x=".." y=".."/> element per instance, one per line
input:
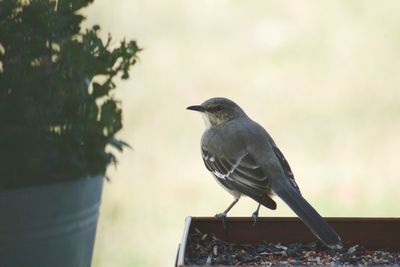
<point x="245" y="160"/>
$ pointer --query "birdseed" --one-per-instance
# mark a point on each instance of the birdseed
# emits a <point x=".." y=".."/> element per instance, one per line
<point x="206" y="249"/>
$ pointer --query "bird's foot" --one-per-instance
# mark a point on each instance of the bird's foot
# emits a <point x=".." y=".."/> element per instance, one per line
<point x="222" y="216"/>
<point x="255" y="217"/>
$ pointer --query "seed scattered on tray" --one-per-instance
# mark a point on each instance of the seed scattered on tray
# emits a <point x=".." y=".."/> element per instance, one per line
<point x="206" y="249"/>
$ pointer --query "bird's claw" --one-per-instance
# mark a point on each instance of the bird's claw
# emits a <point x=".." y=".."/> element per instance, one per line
<point x="255" y="217"/>
<point x="222" y="216"/>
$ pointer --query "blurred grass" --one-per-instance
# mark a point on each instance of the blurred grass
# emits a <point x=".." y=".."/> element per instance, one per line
<point x="322" y="77"/>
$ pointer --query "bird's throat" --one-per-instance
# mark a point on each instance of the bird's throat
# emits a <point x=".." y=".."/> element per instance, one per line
<point x="206" y="120"/>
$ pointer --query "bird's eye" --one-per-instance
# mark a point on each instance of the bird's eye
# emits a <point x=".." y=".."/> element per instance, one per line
<point x="218" y="108"/>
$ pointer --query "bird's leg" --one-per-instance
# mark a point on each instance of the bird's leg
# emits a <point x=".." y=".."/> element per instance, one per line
<point x="223" y="214"/>
<point x="255" y="214"/>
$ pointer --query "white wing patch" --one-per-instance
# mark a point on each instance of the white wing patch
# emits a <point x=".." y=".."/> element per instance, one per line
<point x="242" y="174"/>
<point x="219" y="175"/>
<point x="226" y="175"/>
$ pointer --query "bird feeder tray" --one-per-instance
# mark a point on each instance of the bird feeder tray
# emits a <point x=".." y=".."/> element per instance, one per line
<point x="372" y="233"/>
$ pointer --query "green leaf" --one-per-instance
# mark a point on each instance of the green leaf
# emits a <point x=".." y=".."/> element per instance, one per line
<point x="118" y="144"/>
<point x="100" y="90"/>
<point x="47" y="108"/>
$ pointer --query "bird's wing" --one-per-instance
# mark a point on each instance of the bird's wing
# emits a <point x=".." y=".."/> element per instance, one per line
<point x="243" y="175"/>
<point x="286" y="168"/>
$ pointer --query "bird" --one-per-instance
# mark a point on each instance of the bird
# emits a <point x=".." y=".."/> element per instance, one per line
<point x="245" y="161"/>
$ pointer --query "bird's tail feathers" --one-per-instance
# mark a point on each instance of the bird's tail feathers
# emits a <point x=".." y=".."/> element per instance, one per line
<point x="317" y="225"/>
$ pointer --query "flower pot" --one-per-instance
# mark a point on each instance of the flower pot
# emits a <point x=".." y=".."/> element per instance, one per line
<point x="372" y="233"/>
<point x="50" y="225"/>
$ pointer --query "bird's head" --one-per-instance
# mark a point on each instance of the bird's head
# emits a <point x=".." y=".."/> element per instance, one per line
<point x="218" y="110"/>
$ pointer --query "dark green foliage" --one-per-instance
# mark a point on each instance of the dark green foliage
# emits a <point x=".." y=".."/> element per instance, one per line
<point x="55" y="120"/>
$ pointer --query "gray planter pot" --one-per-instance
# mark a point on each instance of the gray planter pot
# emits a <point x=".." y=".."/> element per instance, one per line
<point x="50" y="225"/>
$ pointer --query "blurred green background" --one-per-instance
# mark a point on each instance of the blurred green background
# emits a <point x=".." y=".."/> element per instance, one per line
<point x="322" y="77"/>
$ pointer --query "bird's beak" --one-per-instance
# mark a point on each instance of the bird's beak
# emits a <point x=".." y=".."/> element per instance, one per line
<point x="197" y="108"/>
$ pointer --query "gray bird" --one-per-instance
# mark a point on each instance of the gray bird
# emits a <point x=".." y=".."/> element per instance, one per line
<point x="246" y="161"/>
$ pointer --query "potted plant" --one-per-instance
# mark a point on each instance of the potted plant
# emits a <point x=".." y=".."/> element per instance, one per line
<point x="287" y="241"/>
<point x="58" y="117"/>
